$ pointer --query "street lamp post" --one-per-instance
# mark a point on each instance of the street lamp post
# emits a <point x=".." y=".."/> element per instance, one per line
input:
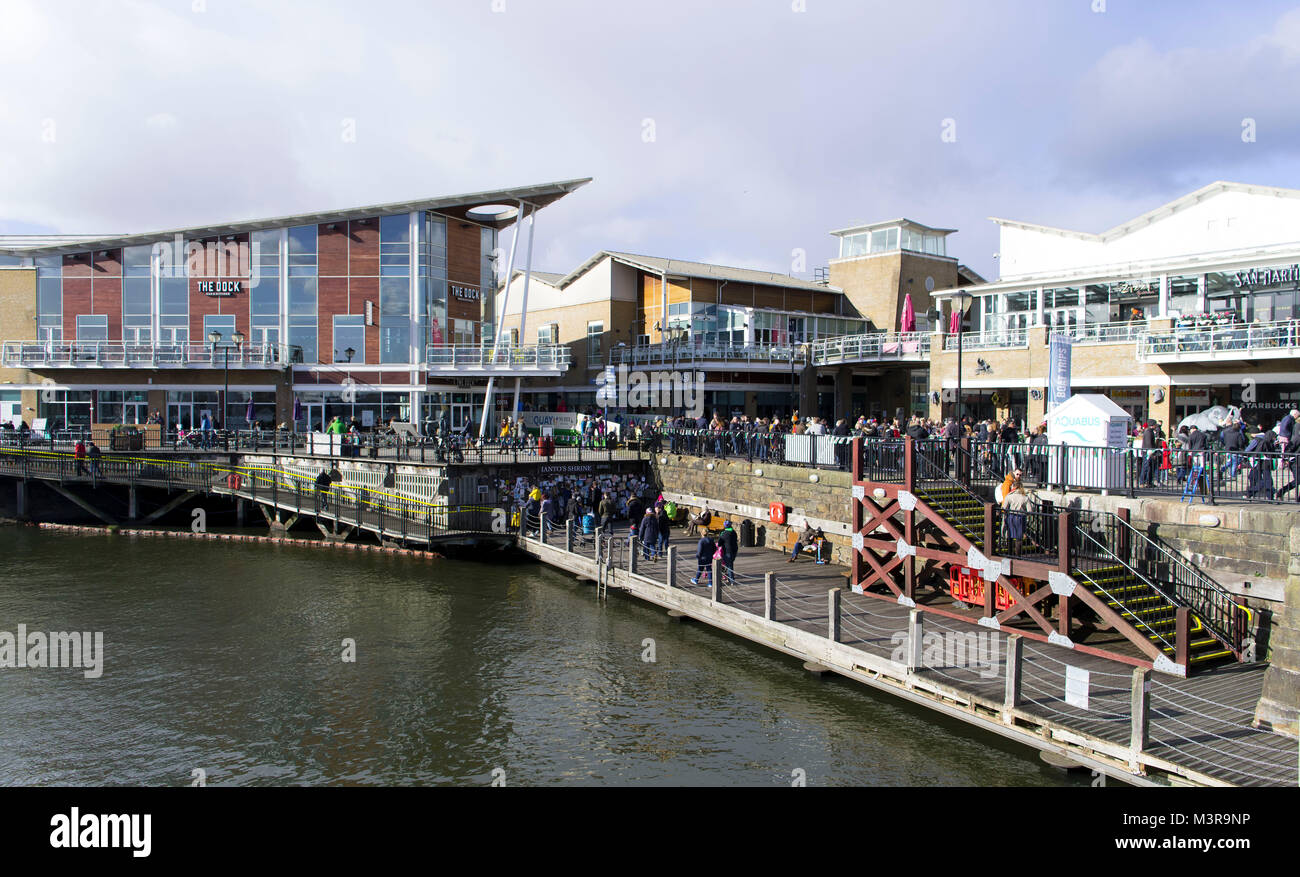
<point x="961" y="301"/>
<point x="349" y="353"/>
<point x="238" y="338"/>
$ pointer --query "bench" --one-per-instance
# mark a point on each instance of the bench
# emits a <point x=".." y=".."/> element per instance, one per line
<point x="792" y="537"/>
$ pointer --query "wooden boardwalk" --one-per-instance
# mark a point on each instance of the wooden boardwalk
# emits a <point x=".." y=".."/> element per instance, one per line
<point x="1199" y="727"/>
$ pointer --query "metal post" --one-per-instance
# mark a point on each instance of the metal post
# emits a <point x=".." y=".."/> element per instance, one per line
<point x="715" y="586"/>
<point x="631" y="556"/>
<point x="1011" y="694"/>
<point x="1139" y="732"/>
<point x="769" y="596"/>
<point x="671" y="575"/>
<point x="915" y="631"/>
<point x="833" y="607"/>
<point x="568" y="535"/>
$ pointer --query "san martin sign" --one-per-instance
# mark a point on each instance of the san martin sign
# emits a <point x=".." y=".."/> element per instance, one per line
<point x="1267" y="276"/>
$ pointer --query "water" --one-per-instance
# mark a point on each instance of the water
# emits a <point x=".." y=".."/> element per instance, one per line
<point x="227" y="658"/>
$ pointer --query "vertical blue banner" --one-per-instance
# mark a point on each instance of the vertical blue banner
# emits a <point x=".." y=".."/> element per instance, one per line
<point x="1058" y="378"/>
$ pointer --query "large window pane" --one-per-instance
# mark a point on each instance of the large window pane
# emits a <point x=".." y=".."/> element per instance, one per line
<point x="302" y="296"/>
<point x="395" y="343"/>
<point x="349" y="333"/>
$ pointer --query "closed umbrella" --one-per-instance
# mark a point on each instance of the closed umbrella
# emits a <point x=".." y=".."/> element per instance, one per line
<point x="297" y="409"/>
<point x="248" y="413"/>
<point x="909" y="314"/>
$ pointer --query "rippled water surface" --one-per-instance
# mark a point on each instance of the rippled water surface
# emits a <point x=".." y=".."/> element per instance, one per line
<point x="227" y="657"/>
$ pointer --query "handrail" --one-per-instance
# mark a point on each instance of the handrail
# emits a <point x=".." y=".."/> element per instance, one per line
<point x="1213" y="604"/>
<point x="1096" y="586"/>
<point x="129" y="354"/>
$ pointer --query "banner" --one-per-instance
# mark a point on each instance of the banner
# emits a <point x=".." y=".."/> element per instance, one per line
<point x="1058" y="376"/>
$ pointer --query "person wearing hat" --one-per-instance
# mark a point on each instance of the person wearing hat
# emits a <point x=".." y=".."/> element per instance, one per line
<point x="730" y="545"/>
<point x="648" y="533"/>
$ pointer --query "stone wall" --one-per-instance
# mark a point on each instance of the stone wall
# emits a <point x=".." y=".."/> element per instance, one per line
<point x="742" y="490"/>
<point x="1279" y="704"/>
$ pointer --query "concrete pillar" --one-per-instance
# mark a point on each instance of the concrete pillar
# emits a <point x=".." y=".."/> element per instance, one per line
<point x="844" y="393"/>
<point x="1162" y="411"/>
<point x="751" y="404"/>
<point x="807" y="392"/>
<point x="132" y="504"/>
<point x="21" y="499"/>
<point x="833" y="609"/>
<point x="239" y="512"/>
<point x="1015" y="657"/>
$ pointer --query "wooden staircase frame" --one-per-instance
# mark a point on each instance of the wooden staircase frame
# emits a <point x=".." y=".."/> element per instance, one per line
<point x="898" y="537"/>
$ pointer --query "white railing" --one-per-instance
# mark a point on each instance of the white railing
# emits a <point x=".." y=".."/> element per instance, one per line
<point x="872" y="346"/>
<point x="987" y="340"/>
<point x="1194" y="342"/>
<point x="1103" y="333"/>
<point x="687" y="353"/>
<point x="126" y="354"/>
<point x="504" y="358"/>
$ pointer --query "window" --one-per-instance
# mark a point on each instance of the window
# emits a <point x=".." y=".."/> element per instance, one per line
<point x="546" y="334"/>
<point x="395" y="245"/>
<point x="302" y="317"/>
<point x="1184" y="294"/>
<point x="123" y="406"/>
<point x="302" y="251"/>
<point x="92" y="327"/>
<point x="349" y="334"/>
<point x="302" y="334"/>
<point x="264" y="282"/>
<point x="432" y="255"/>
<point x="63" y="409"/>
<point x="463" y="332"/>
<point x="594" y="332"/>
<point x="223" y="323"/>
<point x="854" y="245"/>
<point x="49" y="298"/>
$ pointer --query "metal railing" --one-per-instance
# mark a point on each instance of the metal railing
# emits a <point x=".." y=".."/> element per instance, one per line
<point x="686" y="353"/>
<point x="872" y="346"/>
<point x="988" y="340"/>
<point x="126" y="354"/>
<point x="538" y="357"/>
<point x="1230" y="341"/>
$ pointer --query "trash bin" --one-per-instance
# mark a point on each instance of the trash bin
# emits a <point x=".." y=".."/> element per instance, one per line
<point x="747" y="533"/>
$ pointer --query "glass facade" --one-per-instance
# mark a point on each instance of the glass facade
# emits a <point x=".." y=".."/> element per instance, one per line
<point x="302" y="291"/>
<point x="884" y="240"/>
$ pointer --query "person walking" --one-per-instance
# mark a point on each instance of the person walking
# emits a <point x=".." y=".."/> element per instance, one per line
<point x="93" y="454"/>
<point x="322" y="489"/>
<point x="605" y="510"/>
<point x="730" y="547"/>
<point x="79" y="455"/>
<point x="1015" y="504"/>
<point x="664" y="524"/>
<point x="648" y="533"/>
<point x="704" y="551"/>
<point x="205" y="427"/>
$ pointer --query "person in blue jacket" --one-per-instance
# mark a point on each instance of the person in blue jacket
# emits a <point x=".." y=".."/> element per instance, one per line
<point x="648" y="533"/>
<point x="730" y="546"/>
<point x="704" y="551"/>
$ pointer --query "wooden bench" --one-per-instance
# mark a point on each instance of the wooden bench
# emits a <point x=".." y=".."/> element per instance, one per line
<point x="792" y="537"/>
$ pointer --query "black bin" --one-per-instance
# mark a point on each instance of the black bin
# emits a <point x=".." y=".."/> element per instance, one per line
<point x="747" y="533"/>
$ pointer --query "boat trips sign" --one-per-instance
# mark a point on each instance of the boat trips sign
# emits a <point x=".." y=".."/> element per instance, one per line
<point x="1058" y="378"/>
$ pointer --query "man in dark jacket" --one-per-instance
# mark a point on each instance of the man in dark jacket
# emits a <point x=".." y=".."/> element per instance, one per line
<point x="648" y="533"/>
<point x="1261" y="474"/>
<point x="730" y="546"/>
<point x="635" y="509"/>
<point x="1196" y="439"/>
<point x="1233" y="437"/>
<point x="1149" y="456"/>
<point x="605" y="511"/>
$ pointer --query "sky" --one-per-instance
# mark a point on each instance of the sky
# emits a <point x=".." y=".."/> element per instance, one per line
<point x="732" y="131"/>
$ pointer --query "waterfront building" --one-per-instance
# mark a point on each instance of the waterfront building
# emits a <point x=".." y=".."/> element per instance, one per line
<point x="1192" y="304"/>
<point x="748" y="331"/>
<point x="370" y="312"/>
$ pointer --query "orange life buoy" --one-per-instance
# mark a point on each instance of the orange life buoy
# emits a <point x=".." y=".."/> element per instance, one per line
<point x="776" y="513"/>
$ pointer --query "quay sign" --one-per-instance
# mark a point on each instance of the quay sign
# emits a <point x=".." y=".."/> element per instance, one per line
<point x="1267" y="276"/>
<point x="464" y="293"/>
<point x="221" y="288"/>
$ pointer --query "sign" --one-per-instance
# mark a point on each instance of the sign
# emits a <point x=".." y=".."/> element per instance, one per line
<point x="367" y="417"/>
<point x="464" y="293"/>
<point x="221" y="288"/>
<point x="1058" y="376"/>
<point x="1076" y="686"/>
<point x="1267" y="276"/>
<point x="1191" y="396"/>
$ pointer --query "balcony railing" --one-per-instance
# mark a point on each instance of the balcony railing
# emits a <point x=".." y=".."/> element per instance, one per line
<point x="988" y="340"/>
<point x="126" y="354"/>
<point x="1240" y="341"/>
<point x="504" y="358"/>
<point x="686" y="354"/>
<point x="872" y="346"/>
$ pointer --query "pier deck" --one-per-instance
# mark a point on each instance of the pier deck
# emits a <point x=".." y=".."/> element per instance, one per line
<point x="1199" y="728"/>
